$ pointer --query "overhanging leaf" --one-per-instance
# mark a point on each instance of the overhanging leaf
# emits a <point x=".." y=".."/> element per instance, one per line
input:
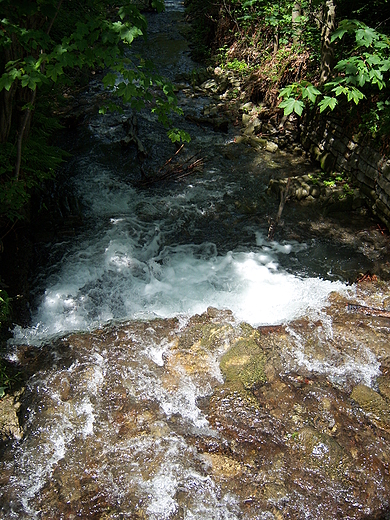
<point x="291" y="105"/>
<point x="327" y="102"/>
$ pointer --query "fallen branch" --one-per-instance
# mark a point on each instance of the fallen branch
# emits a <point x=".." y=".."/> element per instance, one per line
<point x="177" y="171"/>
<point x="367" y="277"/>
<point x="131" y="127"/>
<point x="283" y="199"/>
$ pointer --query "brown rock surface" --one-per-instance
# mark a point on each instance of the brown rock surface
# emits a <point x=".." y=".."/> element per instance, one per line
<point x="211" y="416"/>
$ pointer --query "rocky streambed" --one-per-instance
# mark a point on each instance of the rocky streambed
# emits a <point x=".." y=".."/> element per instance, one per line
<point x="209" y="419"/>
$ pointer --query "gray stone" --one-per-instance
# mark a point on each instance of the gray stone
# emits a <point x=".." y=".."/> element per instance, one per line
<point x="384" y="185"/>
<point x="271" y="147"/>
<point x="340" y="145"/>
<point x="301" y="193"/>
<point x="258" y="142"/>
<point x="210" y="84"/>
<point x="213" y="111"/>
<point x="336" y="150"/>
<point x="386" y="170"/>
<point x="352" y="145"/>
<point x="246" y="119"/>
<point x="247" y="107"/>
<point x="315" y="191"/>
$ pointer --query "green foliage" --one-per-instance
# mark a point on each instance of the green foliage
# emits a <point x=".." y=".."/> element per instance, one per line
<point x="377" y="119"/>
<point x="177" y="135"/>
<point x="304" y="90"/>
<point x="8" y="378"/>
<point x="40" y="160"/>
<point x="336" y="179"/>
<point x="368" y="62"/>
<point x="363" y="72"/>
<point x="239" y="66"/>
<point x="51" y="42"/>
<point x="291" y="105"/>
<point x="278" y="16"/>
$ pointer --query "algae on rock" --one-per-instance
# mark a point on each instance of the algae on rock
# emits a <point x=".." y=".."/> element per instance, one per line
<point x="244" y="363"/>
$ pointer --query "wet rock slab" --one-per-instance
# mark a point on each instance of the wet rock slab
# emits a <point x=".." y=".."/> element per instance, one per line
<point x="211" y="419"/>
<point x="9" y="422"/>
<point x="311" y="429"/>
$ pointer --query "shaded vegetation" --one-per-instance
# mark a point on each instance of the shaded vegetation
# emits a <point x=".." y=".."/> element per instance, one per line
<point x="48" y="45"/>
<point x="299" y="55"/>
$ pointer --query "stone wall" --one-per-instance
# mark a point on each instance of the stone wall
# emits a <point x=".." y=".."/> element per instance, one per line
<point x="339" y="150"/>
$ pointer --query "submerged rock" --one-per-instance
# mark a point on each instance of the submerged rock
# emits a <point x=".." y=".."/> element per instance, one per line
<point x="373" y="404"/>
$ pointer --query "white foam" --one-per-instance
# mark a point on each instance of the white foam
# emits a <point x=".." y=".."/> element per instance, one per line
<point x="361" y="367"/>
<point x="162" y="503"/>
<point x="148" y="253"/>
<point x="156" y="352"/>
<point x="177" y="281"/>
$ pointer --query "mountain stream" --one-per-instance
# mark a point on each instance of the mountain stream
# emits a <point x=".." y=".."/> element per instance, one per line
<point x="127" y="413"/>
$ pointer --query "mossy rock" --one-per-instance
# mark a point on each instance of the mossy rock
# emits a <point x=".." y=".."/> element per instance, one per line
<point x="248" y="331"/>
<point x="322" y="452"/>
<point x="375" y="407"/>
<point x="243" y="364"/>
<point x="384" y="386"/>
<point x="210" y="336"/>
<point x="9" y="421"/>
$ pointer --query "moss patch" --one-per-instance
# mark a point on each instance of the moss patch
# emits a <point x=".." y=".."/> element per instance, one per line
<point x="244" y="364"/>
<point x="209" y="336"/>
<point x="321" y="451"/>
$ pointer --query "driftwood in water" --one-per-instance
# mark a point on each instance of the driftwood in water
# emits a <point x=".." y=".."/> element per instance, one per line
<point x="370" y="311"/>
<point x="174" y="170"/>
<point x="367" y="277"/>
<point x="274" y="222"/>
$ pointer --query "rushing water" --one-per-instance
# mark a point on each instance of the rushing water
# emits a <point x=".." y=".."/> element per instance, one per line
<point x="177" y="248"/>
<point x="170" y="250"/>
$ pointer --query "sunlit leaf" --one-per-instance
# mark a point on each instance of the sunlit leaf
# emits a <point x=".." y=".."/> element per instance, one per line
<point x="327" y="102"/>
<point x="310" y="92"/>
<point x="291" y="105"/>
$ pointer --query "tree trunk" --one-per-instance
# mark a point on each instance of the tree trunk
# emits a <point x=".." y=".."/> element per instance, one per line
<point x="7" y="98"/>
<point x="23" y="133"/>
<point x="6" y="110"/>
<point x="328" y="27"/>
<point x="276" y="39"/>
<point x="296" y="13"/>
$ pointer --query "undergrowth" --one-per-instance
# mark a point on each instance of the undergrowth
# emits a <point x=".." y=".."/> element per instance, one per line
<point x="242" y="39"/>
<point x="40" y="160"/>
